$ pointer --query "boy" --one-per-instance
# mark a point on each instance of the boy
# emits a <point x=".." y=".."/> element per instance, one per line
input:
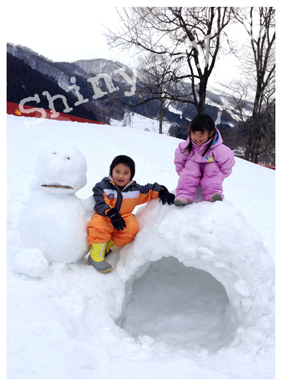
<point x="115" y="198"/>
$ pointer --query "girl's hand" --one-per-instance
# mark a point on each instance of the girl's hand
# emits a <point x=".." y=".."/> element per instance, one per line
<point x="166" y="197"/>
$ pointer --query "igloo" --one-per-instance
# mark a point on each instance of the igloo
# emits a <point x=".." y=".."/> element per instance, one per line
<point x="201" y="264"/>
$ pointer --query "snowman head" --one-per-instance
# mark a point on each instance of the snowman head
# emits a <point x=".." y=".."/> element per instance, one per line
<point x="61" y="169"/>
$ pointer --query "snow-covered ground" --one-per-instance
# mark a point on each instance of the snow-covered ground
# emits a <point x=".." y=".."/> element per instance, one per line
<point x="190" y="298"/>
<point x="141" y="122"/>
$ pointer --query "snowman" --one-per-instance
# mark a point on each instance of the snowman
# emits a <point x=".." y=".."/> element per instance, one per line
<point x="53" y="222"/>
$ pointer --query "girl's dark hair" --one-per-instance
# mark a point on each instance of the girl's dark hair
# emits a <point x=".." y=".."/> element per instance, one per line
<point x="123" y="159"/>
<point x="200" y="122"/>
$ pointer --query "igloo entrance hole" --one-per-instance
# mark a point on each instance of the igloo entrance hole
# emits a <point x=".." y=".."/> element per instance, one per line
<point x="184" y="307"/>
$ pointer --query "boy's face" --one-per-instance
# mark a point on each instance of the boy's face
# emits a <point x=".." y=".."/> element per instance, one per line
<point x="121" y="175"/>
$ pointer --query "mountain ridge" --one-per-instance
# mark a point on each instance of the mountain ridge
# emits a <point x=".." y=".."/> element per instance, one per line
<point x="97" y="89"/>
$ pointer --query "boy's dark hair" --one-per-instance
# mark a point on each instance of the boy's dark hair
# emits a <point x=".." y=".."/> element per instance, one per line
<point x="123" y="159"/>
<point x="200" y="122"/>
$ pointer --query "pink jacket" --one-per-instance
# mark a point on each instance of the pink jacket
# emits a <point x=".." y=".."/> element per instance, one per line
<point x="218" y="153"/>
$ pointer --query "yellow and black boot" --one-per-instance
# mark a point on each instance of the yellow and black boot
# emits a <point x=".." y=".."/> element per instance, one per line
<point x="109" y="245"/>
<point x="97" y="258"/>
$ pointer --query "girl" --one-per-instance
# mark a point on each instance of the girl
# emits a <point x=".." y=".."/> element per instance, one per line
<point x="203" y="159"/>
<point x="115" y="198"/>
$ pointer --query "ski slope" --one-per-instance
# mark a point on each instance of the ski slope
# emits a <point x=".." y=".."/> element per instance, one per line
<point x="181" y="303"/>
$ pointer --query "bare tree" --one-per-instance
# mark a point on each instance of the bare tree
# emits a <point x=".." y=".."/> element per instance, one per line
<point x="157" y="85"/>
<point x="260" y="126"/>
<point x="189" y="38"/>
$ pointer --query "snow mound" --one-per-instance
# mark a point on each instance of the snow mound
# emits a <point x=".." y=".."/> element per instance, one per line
<point x="30" y="262"/>
<point x="208" y="243"/>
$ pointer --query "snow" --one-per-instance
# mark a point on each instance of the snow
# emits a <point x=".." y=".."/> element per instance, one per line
<point x="62" y="163"/>
<point x="30" y="262"/>
<point x="141" y="122"/>
<point x="54" y="216"/>
<point x="192" y="297"/>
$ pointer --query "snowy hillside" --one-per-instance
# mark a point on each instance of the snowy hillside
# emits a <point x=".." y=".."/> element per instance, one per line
<point x="190" y="298"/>
<point x="137" y="121"/>
<point x="219" y="105"/>
<point x="41" y="64"/>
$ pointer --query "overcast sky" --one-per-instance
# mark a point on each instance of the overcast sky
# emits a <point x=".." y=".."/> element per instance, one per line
<point x="61" y="30"/>
<point x="64" y="30"/>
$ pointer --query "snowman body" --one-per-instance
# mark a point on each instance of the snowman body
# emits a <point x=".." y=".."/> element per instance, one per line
<point x="54" y="220"/>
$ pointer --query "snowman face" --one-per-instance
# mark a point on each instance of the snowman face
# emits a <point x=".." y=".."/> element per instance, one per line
<point x="61" y="170"/>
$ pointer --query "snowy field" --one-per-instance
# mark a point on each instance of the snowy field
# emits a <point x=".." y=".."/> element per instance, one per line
<point x="192" y="297"/>
<point x="137" y="121"/>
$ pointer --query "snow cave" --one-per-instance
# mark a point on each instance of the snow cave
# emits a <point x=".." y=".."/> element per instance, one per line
<point x="208" y="284"/>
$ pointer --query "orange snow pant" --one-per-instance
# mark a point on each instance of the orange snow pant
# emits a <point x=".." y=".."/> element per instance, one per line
<point x="101" y="230"/>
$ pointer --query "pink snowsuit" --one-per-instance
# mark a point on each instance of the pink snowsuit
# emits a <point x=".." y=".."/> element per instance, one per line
<point x="208" y="170"/>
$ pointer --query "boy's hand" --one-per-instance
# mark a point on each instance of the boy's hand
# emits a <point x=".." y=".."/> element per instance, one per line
<point x="166" y="196"/>
<point x="116" y="219"/>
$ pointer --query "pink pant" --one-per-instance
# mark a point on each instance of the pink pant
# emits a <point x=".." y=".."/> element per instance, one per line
<point x="207" y="174"/>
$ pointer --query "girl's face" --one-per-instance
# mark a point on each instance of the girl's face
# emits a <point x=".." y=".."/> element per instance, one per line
<point x="121" y="175"/>
<point x="200" y="137"/>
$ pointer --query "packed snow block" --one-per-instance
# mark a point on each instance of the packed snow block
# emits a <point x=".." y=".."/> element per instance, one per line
<point x="30" y="262"/>
<point x="215" y="238"/>
<point x="54" y="220"/>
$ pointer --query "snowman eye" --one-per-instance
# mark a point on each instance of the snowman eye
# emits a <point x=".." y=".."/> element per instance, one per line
<point x="68" y="157"/>
<point x="54" y="152"/>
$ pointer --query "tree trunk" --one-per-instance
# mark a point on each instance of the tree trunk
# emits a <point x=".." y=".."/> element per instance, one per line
<point x="161" y="115"/>
<point x="202" y="95"/>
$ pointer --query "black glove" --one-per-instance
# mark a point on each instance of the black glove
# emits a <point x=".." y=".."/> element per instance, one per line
<point x="116" y="219"/>
<point x="166" y="196"/>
